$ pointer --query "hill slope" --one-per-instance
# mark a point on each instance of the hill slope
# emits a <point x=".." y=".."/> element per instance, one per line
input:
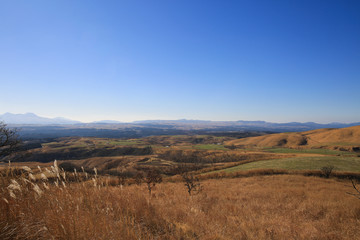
<point x="336" y="138"/>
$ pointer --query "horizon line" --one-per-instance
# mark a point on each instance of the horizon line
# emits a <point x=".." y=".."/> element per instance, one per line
<point x="178" y="119"/>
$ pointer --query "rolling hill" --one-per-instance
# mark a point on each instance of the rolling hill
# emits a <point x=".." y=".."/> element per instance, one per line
<point x="333" y="138"/>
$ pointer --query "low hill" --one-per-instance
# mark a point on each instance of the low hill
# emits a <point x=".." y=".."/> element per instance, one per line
<point x="335" y="138"/>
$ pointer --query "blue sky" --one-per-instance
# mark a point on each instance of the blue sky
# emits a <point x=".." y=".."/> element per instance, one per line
<point x="88" y="60"/>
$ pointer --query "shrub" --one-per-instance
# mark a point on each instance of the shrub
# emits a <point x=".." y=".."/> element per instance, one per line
<point x="327" y="170"/>
<point x="139" y="177"/>
<point x="192" y="183"/>
<point x="153" y="177"/>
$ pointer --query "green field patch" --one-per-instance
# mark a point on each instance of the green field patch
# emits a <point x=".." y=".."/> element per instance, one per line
<point x="125" y="142"/>
<point x="308" y="151"/>
<point x="112" y="142"/>
<point x="341" y="144"/>
<point x="348" y="164"/>
<point x="69" y="146"/>
<point x="177" y="136"/>
<point x="220" y="137"/>
<point x="54" y="144"/>
<point x="209" y="147"/>
<point x="187" y="136"/>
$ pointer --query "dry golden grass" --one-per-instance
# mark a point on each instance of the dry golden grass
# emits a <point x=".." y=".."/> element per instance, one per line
<point x="343" y="137"/>
<point x="279" y="139"/>
<point x="347" y="135"/>
<point x="108" y="163"/>
<point x="260" y="207"/>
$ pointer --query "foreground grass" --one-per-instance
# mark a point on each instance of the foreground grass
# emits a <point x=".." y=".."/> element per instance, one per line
<point x="347" y="164"/>
<point x="262" y="207"/>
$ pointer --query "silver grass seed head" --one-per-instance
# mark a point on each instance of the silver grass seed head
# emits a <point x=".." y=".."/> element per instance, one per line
<point x="37" y="189"/>
<point x="14" y="185"/>
<point x="26" y="168"/>
<point x="56" y="168"/>
<point x="45" y="186"/>
<point x="25" y="180"/>
<point x="12" y="194"/>
<point x="43" y="177"/>
<point x="31" y="177"/>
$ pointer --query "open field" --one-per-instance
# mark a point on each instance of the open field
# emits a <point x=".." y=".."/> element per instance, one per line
<point x="345" y="164"/>
<point x="209" y="147"/>
<point x="320" y="151"/>
<point x="247" y="192"/>
<point x="179" y="153"/>
<point x="342" y="139"/>
<point x="263" y="207"/>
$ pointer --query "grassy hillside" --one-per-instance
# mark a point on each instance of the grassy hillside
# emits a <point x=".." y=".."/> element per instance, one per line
<point x="343" y="139"/>
<point x="169" y="154"/>
<point x="180" y="153"/>
<point x="346" y="164"/>
<point x="312" y="151"/>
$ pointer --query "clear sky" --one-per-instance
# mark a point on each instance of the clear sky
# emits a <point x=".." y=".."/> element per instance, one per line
<point x="130" y="60"/>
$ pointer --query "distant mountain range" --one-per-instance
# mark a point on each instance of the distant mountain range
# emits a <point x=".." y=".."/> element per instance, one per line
<point x="31" y="118"/>
<point x="254" y="125"/>
<point x="107" y="122"/>
<point x="183" y="124"/>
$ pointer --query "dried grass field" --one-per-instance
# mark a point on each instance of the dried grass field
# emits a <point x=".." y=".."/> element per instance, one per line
<point x="73" y="206"/>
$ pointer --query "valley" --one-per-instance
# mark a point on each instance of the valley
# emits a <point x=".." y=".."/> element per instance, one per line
<point x="269" y="186"/>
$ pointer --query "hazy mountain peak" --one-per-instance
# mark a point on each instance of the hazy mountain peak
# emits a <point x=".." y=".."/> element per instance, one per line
<point x="31" y="118"/>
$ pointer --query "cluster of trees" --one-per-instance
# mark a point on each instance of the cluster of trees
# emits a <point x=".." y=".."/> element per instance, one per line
<point x="153" y="177"/>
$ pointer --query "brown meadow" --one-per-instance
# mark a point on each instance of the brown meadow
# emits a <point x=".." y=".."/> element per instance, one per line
<point x="346" y="139"/>
<point x="258" y="207"/>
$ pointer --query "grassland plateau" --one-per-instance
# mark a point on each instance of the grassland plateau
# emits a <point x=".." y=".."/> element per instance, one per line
<point x="273" y="186"/>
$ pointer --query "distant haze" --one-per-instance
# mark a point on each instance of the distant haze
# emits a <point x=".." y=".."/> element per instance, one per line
<point x="31" y="118"/>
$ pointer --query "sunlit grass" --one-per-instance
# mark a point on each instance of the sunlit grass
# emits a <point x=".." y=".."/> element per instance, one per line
<point x="350" y="164"/>
<point x="262" y="207"/>
<point x="209" y="147"/>
<point x="308" y="151"/>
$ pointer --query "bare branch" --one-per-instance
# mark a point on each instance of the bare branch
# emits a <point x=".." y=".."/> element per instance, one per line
<point x="9" y="140"/>
<point x="153" y="177"/>
<point x="357" y="195"/>
<point x="192" y="183"/>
